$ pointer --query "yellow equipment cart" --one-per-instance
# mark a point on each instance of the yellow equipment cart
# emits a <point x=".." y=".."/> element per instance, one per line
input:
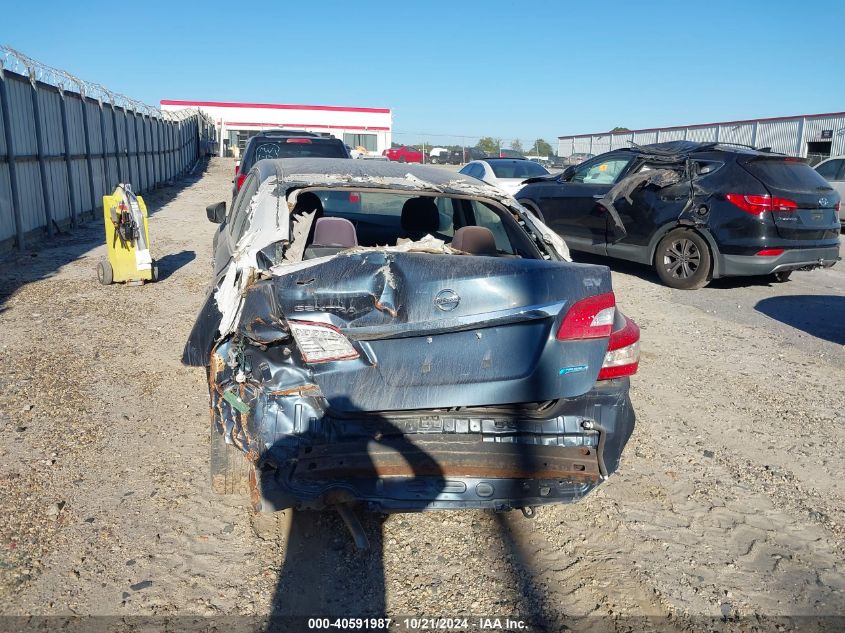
<point x="127" y="240"/>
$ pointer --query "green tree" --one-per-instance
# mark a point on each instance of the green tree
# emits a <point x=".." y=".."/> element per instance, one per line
<point x="543" y="147"/>
<point x="489" y="145"/>
<point x="620" y="129"/>
<point x="516" y="145"/>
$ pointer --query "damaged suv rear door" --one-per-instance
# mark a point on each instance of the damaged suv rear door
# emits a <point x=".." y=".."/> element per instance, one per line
<point x="570" y="203"/>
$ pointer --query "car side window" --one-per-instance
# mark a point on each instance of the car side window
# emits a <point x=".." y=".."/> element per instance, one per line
<point x="489" y="219"/>
<point x="239" y="215"/>
<point x="831" y="170"/>
<point x="475" y="171"/>
<point x="603" y="172"/>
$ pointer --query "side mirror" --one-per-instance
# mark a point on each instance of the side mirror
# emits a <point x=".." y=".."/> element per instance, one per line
<point x="568" y="173"/>
<point x="216" y="212"/>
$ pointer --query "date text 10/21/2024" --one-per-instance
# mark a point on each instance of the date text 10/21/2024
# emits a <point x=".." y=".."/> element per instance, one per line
<point x="420" y="624"/>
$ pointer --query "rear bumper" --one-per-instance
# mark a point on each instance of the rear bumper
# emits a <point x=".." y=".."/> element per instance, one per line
<point x="795" y="259"/>
<point x="436" y="461"/>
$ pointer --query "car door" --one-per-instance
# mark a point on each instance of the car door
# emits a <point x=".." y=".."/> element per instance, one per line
<point x="833" y="170"/>
<point x="230" y="231"/>
<point x="570" y="203"/>
<point x="651" y="208"/>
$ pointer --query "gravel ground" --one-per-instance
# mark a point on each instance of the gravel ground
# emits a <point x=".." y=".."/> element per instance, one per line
<point x="728" y="502"/>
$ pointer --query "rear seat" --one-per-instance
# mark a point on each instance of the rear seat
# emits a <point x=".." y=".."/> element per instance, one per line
<point x="475" y="240"/>
<point x="331" y="235"/>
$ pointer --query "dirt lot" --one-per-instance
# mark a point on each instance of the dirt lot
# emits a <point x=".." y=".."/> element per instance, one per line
<point x="729" y="500"/>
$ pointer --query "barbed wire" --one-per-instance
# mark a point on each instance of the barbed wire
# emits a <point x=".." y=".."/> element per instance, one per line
<point x="16" y="62"/>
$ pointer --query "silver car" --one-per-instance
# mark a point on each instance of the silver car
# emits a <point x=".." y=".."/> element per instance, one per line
<point x="833" y="170"/>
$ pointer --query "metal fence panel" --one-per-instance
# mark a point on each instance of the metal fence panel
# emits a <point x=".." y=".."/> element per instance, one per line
<point x="62" y="151"/>
<point x="7" y="218"/>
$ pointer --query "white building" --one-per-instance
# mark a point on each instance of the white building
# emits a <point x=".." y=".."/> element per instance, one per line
<point x="814" y="136"/>
<point x="369" y="128"/>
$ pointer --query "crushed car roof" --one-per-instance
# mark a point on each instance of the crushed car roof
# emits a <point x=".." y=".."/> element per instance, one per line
<point x="343" y="172"/>
<point x="679" y="148"/>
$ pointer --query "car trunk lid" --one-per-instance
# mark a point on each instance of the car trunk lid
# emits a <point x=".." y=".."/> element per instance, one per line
<point x="433" y="331"/>
<point x="803" y="203"/>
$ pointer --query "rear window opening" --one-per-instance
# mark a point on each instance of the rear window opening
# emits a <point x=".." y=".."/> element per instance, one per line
<point x="344" y="219"/>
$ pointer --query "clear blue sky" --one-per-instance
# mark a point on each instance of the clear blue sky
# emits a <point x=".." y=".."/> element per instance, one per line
<point x="506" y="69"/>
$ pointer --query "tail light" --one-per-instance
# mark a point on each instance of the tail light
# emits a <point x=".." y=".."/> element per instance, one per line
<point x="240" y="182"/>
<point x="756" y="205"/>
<point x="320" y="342"/>
<point x="301" y="141"/>
<point x="838" y="206"/>
<point x="623" y="352"/>
<point x="589" y="318"/>
<point x="769" y="252"/>
<point x="354" y="197"/>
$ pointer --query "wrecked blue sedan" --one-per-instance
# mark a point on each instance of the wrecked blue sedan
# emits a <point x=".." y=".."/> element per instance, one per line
<point x="404" y="338"/>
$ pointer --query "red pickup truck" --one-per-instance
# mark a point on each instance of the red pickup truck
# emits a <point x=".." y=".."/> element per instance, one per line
<point x="403" y="154"/>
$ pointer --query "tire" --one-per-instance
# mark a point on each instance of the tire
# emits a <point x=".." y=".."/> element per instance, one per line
<point x="683" y="260"/>
<point x="105" y="274"/>
<point x="782" y="276"/>
<point x="433" y="160"/>
<point x="532" y="206"/>
<point x="401" y="159"/>
<point x="229" y="467"/>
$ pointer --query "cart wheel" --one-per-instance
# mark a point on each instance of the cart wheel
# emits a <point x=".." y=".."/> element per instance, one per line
<point x="105" y="274"/>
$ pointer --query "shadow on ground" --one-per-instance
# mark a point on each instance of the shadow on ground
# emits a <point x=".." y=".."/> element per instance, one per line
<point x="822" y="316"/>
<point x="169" y="264"/>
<point x="647" y="273"/>
<point x="44" y="258"/>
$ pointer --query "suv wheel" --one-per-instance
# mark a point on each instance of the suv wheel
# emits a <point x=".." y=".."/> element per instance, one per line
<point x="682" y="260"/>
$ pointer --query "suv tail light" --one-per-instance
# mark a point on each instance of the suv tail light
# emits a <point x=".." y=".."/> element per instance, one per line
<point x="589" y="318"/>
<point x="623" y="352"/>
<point x="301" y="141"/>
<point x="241" y="178"/>
<point x="320" y="342"/>
<point x="756" y="204"/>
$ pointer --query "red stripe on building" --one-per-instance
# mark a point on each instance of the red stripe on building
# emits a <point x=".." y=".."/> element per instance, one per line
<point x="301" y="125"/>
<point x="270" y="106"/>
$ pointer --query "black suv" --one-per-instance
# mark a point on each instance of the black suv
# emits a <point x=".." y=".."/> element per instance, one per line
<point x="695" y="211"/>
<point x="280" y="143"/>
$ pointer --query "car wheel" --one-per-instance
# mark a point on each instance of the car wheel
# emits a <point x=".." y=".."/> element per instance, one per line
<point x="782" y="276"/>
<point x="229" y="466"/>
<point x="433" y="160"/>
<point x="401" y="159"/>
<point x="683" y="260"/>
<point x="532" y="206"/>
<point x="105" y="274"/>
